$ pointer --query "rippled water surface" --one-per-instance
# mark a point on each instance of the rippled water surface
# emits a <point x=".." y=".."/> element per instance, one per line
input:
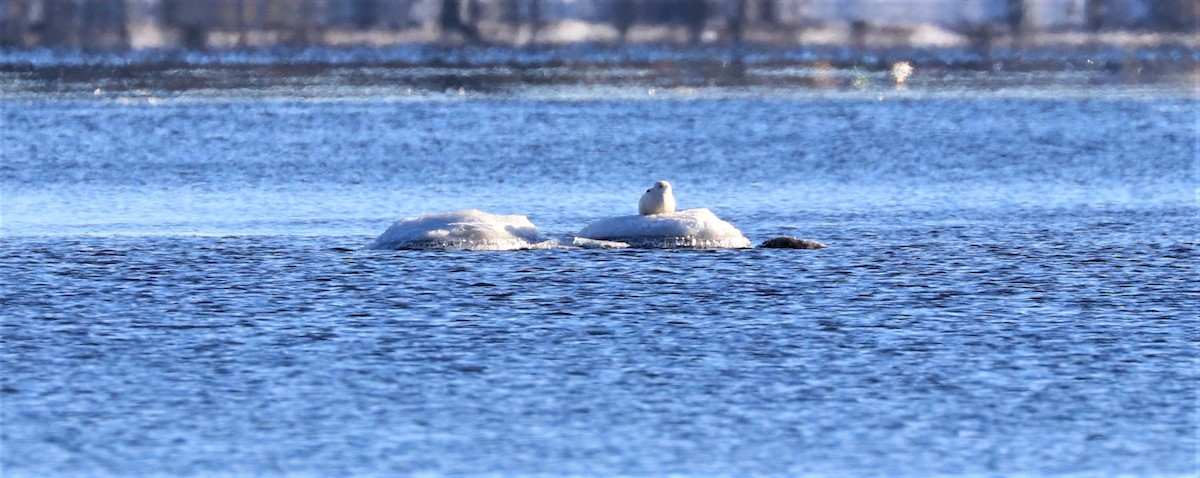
<point x="1009" y="287"/>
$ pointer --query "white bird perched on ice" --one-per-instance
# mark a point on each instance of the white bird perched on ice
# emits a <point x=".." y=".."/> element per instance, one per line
<point x="657" y="200"/>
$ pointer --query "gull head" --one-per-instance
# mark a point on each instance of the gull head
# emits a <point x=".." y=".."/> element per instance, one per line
<point x="660" y="186"/>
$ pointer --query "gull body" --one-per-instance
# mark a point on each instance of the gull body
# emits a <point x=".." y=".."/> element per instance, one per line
<point x="657" y="200"/>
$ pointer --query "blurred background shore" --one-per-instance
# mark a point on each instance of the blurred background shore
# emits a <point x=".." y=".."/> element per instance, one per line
<point x="205" y="24"/>
<point x="46" y="44"/>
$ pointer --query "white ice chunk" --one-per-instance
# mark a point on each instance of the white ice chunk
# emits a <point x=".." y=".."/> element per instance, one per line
<point x="698" y="228"/>
<point x="585" y="243"/>
<point x="462" y="230"/>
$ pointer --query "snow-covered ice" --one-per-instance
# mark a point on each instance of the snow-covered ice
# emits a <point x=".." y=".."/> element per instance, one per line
<point x="698" y="228"/>
<point x="463" y="230"/>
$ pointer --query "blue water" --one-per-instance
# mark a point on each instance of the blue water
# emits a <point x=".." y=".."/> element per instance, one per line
<point x="1009" y="287"/>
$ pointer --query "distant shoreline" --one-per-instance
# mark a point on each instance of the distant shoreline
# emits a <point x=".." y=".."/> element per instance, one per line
<point x="437" y="68"/>
<point x="1183" y="53"/>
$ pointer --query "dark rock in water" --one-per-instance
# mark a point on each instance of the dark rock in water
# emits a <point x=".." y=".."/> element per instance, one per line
<point x="791" y="243"/>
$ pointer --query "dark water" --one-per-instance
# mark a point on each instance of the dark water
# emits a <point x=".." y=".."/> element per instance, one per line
<point x="1009" y="287"/>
